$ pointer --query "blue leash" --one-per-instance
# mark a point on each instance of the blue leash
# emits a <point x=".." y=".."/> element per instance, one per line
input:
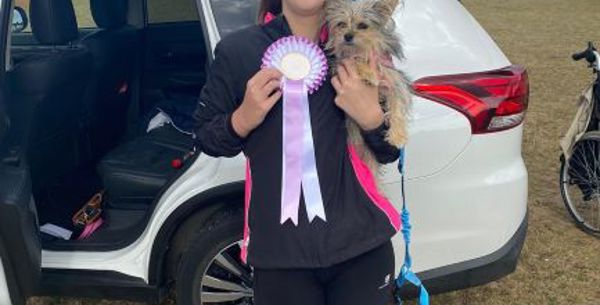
<point x="406" y="273"/>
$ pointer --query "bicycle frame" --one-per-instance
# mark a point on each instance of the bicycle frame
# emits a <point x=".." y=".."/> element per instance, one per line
<point x="595" y="119"/>
<point x="587" y="117"/>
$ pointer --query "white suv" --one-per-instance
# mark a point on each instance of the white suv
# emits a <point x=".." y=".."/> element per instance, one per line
<point x="170" y="226"/>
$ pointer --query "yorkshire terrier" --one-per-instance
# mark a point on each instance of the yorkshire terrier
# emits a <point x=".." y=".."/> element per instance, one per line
<point x="357" y="28"/>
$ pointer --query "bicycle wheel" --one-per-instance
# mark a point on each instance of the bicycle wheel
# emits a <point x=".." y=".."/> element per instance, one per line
<point x="580" y="182"/>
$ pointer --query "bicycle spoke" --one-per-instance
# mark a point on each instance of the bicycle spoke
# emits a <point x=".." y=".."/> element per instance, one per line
<point x="580" y="182"/>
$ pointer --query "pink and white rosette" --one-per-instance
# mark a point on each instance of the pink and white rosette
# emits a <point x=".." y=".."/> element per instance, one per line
<point x="304" y="68"/>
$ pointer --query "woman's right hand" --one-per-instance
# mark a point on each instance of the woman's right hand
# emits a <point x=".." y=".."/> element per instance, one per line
<point x="262" y="92"/>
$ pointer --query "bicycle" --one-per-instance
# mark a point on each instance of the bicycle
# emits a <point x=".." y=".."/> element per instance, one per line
<point x="580" y="159"/>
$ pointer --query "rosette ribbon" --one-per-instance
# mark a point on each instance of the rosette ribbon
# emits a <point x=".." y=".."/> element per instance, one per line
<point x="304" y="67"/>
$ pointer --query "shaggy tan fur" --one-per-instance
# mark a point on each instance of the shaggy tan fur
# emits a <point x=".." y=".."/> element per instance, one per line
<point x="370" y="24"/>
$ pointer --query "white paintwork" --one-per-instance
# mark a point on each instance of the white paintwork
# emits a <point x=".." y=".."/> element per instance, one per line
<point x="467" y="193"/>
<point x="438" y="134"/>
<point x="4" y="293"/>
<point x="471" y="208"/>
<point x="441" y="37"/>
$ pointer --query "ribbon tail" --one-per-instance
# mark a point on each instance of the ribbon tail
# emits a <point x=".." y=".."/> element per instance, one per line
<point x="310" y="179"/>
<point x="292" y="150"/>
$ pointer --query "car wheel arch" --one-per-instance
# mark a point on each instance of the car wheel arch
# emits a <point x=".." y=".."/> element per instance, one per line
<point x="183" y="221"/>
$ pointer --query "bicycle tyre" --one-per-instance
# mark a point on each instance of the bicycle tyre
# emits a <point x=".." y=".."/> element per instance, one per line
<point x="591" y="138"/>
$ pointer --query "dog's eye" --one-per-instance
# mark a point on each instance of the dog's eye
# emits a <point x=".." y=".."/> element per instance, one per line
<point x="341" y="25"/>
<point x="362" y="26"/>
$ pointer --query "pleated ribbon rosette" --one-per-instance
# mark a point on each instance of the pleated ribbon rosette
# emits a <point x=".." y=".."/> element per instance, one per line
<point x="304" y="68"/>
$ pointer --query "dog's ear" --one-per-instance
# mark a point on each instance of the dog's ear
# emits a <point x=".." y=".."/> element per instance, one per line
<point x="385" y="8"/>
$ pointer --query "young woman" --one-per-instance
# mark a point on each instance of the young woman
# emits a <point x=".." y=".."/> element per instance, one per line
<point x="346" y="258"/>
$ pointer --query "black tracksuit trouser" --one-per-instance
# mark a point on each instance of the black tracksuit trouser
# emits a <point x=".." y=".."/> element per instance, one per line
<point x="367" y="279"/>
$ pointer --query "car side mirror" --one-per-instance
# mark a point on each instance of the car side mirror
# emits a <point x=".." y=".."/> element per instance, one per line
<point x="19" y="20"/>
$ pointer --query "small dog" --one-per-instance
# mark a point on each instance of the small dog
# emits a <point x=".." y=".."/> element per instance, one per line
<point x="357" y="28"/>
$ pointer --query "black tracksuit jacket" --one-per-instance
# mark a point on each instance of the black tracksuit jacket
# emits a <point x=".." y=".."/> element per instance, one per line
<point x="358" y="219"/>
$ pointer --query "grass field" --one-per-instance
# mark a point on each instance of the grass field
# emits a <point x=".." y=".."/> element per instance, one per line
<point x="559" y="264"/>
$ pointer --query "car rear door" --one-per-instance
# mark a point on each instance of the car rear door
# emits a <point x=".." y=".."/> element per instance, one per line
<point x="221" y="17"/>
<point x="20" y="249"/>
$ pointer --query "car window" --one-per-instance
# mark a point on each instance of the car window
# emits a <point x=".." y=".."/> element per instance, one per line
<point x="162" y="11"/>
<point x="82" y="13"/>
<point x="232" y="15"/>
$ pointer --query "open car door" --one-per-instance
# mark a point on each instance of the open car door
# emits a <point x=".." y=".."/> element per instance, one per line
<point x="20" y="249"/>
<point x="221" y="17"/>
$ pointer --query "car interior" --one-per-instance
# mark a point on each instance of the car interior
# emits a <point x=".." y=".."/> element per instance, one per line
<point x="103" y="107"/>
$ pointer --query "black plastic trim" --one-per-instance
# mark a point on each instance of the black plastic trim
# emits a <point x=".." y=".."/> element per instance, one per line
<point x="98" y="284"/>
<point x="20" y="253"/>
<point x="20" y="248"/>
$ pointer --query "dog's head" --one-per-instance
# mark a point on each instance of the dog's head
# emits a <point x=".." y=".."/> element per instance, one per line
<point x="357" y="26"/>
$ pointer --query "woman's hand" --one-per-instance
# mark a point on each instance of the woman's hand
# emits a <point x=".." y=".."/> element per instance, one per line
<point x="262" y="92"/>
<point x="358" y="99"/>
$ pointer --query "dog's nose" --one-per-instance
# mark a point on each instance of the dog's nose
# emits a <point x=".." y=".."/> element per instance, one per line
<point x="348" y="37"/>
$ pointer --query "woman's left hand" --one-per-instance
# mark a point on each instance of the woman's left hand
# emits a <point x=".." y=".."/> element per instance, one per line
<point x="359" y="100"/>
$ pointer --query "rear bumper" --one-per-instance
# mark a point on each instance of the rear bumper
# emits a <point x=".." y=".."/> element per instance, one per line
<point x="478" y="271"/>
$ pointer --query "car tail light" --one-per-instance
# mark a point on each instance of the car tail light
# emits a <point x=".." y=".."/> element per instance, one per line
<point x="491" y="100"/>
